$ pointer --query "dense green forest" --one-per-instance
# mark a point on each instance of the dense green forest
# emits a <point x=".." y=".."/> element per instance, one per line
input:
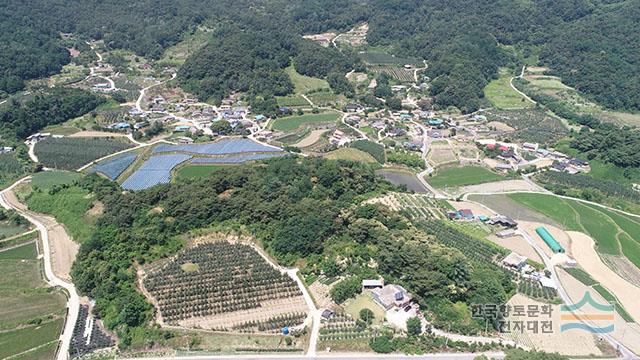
<point x="297" y="208"/>
<point x="591" y="43"/>
<point x="48" y="107"/>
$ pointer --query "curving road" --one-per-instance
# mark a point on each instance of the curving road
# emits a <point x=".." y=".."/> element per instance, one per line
<point x="73" y="302"/>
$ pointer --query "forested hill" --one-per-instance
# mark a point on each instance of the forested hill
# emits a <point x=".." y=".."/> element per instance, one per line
<point x="593" y="44"/>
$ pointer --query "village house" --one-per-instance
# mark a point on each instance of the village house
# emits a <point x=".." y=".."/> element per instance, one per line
<point x="514" y="261"/>
<point x="391" y="296"/>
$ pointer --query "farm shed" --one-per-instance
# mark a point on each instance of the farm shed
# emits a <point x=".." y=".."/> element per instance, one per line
<point x="549" y="240"/>
<point x="514" y="261"/>
<point x="372" y="283"/>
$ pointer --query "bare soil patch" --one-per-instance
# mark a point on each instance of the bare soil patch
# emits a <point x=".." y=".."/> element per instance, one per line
<point x="585" y="254"/>
<point x="623" y="267"/>
<point x="518" y="245"/>
<point x="93" y="133"/>
<point x="627" y="333"/>
<point x="572" y="342"/>
<point x="310" y="139"/>
<point x="501" y="126"/>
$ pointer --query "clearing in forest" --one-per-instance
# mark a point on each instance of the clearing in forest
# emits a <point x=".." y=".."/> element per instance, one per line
<point x="500" y="93"/>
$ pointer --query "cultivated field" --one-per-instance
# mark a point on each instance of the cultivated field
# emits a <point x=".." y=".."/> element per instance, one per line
<point x="402" y="177"/>
<point x="415" y="206"/>
<point x="304" y="84"/>
<point x="395" y="72"/>
<point x="31" y="313"/>
<point x="379" y="58"/>
<point x="500" y="93"/>
<point x="531" y="125"/>
<point x="293" y="101"/>
<point x="292" y="123"/>
<point x="73" y="153"/>
<point x="224" y="286"/>
<point x="449" y="177"/>
<point x="350" y="154"/>
<point x="113" y="167"/>
<point x="441" y="153"/>
<point x="615" y="234"/>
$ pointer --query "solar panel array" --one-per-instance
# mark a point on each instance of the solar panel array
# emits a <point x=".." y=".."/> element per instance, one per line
<point x="234" y="159"/>
<point x="156" y="170"/>
<point x="222" y="147"/>
<point x="113" y="167"/>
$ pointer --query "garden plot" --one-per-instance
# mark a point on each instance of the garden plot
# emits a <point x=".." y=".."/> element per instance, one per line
<point x="341" y="333"/>
<point x="221" y="147"/>
<point x="156" y="170"/>
<point x="223" y="286"/>
<point x="441" y="153"/>
<point x="114" y="167"/>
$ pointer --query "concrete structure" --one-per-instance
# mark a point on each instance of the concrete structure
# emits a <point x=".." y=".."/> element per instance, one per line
<point x="514" y="261"/>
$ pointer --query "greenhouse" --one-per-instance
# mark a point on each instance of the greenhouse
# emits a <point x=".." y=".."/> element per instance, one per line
<point x="549" y="240"/>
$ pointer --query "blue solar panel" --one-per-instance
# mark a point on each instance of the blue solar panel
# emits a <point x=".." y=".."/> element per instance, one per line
<point x="222" y="147"/>
<point x="113" y="167"/>
<point x="156" y="170"/>
<point x="234" y="159"/>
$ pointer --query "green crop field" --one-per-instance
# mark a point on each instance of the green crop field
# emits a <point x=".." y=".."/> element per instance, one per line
<point x="614" y="233"/>
<point x="72" y="153"/>
<point x="197" y="171"/>
<point x="502" y="96"/>
<point x="462" y="176"/>
<point x="47" y="179"/>
<point x="304" y="84"/>
<point x="350" y="154"/>
<point x="291" y="123"/>
<point x="294" y="101"/>
<point x="9" y="229"/>
<point x="30" y="312"/>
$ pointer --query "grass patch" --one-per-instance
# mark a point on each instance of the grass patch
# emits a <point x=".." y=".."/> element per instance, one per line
<point x="26" y="298"/>
<point x="613" y="300"/>
<point x="17" y="341"/>
<point x="362" y="301"/>
<point x="9" y="229"/>
<point x="304" y="84"/>
<point x="69" y="206"/>
<point x="374" y="149"/>
<point x="462" y="176"/>
<point x="350" y="154"/>
<point x="502" y="96"/>
<point x="291" y="123"/>
<point x="24" y="252"/>
<point x="294" y="101"/>
<point x="47" y="179"/>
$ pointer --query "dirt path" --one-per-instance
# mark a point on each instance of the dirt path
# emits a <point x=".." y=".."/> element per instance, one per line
<point x="583" y="249"/>
<point x="310" y="139"/>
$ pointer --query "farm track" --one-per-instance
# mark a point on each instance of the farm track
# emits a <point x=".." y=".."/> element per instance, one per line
<point x="73" y="303"/>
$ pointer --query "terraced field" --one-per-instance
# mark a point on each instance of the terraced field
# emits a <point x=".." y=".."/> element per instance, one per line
<point x="614" y="233"/>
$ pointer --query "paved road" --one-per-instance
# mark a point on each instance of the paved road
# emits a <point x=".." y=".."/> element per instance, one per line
<point x="447" y="356"/>
<point x="74" y="301"/>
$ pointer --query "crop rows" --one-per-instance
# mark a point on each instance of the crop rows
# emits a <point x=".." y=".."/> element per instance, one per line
<point x="228" y="278"/>
<point x="418" y="206"/>
<point x="534" y="290"/>
<point x="113" y="167"/>
<point x="341" y="327"/>
<point x="222" y="147"/>
<point x="395" y="72"/>
<point x="470" y="247"/>
<point x="156" y="170"/>
<point x="273" y="324"/>
<point x="235" y="159"/>
<point x="87" y="335"/>
<point x="72" y="153"/>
